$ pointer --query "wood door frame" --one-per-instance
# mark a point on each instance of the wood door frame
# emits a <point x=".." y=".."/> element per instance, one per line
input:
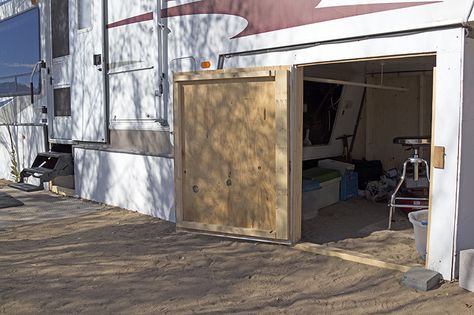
<point x="296" y="130"/>
<point x="283" y="224"/>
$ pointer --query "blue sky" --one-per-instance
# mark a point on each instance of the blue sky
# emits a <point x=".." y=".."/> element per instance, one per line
<point x="19" y="43"/>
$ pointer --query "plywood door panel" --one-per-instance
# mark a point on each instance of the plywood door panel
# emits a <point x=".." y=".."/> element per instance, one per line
<point x="232" y="168"/>
<point x="229" y="160"/>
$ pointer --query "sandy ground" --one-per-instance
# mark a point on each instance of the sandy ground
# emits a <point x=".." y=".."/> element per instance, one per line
<point x="112" y="261"/>
<point x="40" y="207"/>
<point x="360" y="225"/>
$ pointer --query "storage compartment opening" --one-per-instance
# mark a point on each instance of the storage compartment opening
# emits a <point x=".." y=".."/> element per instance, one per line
<point x="352" y="112"/>
<point x="63" y="184"/>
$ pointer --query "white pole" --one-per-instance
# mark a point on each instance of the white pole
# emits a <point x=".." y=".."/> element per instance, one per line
<point x="371" y="86"/>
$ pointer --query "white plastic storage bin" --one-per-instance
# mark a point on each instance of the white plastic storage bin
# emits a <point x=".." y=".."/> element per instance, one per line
<point x="419" y="219"/>
<point x="309" y="203"/>
<point x="313" y="200"/>
<point x="341" y="167"/>
<point x="329" y="192"/>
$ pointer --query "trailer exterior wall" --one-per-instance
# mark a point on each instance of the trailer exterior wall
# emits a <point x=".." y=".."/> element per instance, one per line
<point x="465" y="217"/>
<point x="130" y="181"/>
<point x="28" y="141"/>
<point x="134" y="64"/>
<point x="206" y="29"/>
<point x="13" y="7"/>
<point x="446" y="128"/>
<point x="448" y="46"/>
<point x="28" y="135"/>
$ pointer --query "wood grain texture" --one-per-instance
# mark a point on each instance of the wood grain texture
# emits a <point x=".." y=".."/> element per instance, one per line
<point x="229" y="153"/>
<point x="282" y="153"/>
<point x="233" y="169"/>
<point x="234" y="73"/>
<point x="61" y="191"/>
<point x="178" y="151"/>
<point x="352" y="256"/>
<point x="438" y="157"/>
<point x="296" y="132"/>
<point x="215" y="228"/>
<point x="211" y="75"/>
<point x="232" y="152"/>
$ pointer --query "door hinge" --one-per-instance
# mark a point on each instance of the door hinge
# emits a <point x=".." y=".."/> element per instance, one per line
<point x="161" y="88"/>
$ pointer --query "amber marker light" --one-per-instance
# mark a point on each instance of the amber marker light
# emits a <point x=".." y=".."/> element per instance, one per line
<point x="205" y="64"/>
<point x="34" y="2"/>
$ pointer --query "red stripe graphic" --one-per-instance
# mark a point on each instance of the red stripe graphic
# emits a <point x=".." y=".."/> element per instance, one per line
<point x="271" y="15"/>
<point x="131" y="20"/>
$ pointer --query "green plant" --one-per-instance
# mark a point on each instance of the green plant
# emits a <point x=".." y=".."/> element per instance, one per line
<point x="14" y="163"/>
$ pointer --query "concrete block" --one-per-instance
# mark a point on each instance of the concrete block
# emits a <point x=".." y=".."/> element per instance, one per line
<point x="466" y="270"/>
<point x="421" y="279"/>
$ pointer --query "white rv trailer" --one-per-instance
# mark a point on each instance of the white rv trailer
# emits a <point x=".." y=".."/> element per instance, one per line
<point x="147" y="131"/>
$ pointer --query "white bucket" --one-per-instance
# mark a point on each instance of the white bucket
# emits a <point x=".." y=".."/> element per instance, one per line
<point x="419" y="219"/>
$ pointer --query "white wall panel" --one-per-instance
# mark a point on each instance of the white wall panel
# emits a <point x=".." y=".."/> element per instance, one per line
<point x="446" y="125"/>
<point x="133" y="67"/>
<point x="465" y="218"/>
<point x="207" y="35"/>
<point x="134" y="182"/>
<point x="27" y="140"/>
<point x="132" y="96"/>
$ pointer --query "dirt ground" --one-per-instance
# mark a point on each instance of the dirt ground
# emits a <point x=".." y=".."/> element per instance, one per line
<point x="361" y="226"/>
<point x="112" y="261"/>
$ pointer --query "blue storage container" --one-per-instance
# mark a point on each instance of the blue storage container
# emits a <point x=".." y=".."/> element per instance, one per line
<point x="349" y="186"/>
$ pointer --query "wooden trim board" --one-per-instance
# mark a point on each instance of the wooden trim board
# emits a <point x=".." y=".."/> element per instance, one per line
<point x="282" y="153"/>
<point x="438" y="157"/>
<point x="226" y="229"/>
<point x="61" y="191"/>
<point x="356" y="257"/>
<point x="185" y="77"/>
<point x="296" y="134"/>
<point x="178" y="155"/>
<point x="236" y="237"/>
<point x="242" y="73"/>
<point x="230" y="70"/>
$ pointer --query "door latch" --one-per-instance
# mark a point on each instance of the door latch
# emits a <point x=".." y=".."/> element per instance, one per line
<point x="98" y="61"/>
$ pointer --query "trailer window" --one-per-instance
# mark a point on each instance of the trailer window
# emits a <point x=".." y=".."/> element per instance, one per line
<point x="83" y="14"/>
<point x="321" y="102"/>
<point x="62" y="102"/>
<point x="60" y="27"/>
<point x="19" y="52"/>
